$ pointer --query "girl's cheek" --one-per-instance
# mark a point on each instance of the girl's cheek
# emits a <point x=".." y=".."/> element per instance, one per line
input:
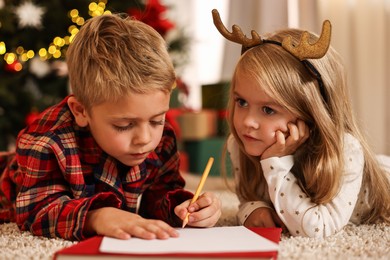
<point x="272" y="136"/>
<point x="283" y="127"/>
<point x="283" y="130"/>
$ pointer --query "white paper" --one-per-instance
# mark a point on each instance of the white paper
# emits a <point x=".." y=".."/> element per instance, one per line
<point x="193" y="240"/>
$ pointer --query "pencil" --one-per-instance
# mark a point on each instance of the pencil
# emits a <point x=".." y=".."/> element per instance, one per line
<point x="200" y="187"/>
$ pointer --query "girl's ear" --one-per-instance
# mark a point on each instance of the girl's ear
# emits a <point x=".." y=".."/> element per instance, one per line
<point x="79" y="111"/>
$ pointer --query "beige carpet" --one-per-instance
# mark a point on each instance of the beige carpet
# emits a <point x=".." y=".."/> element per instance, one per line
<point x="354" y="242"/>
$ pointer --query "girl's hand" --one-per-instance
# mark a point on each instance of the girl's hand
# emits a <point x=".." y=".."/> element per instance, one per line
<point x="287" y="144"/>
<point x="121" y="224"/>
<point x="264" y="217"/>
<point x="204" y="212"/>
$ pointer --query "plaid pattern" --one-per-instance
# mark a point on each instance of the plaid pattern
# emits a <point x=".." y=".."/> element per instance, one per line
<point x="59" y="173"/>
<point x="7" y="198"/>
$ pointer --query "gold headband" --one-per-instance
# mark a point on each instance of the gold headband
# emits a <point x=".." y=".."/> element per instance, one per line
<point x="303" y="51"/>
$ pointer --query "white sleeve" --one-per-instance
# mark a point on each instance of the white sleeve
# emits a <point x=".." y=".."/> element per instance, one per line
<point x="303" y="217"/>
<point x="245" y="207"/>
<point x="384" y="162"/>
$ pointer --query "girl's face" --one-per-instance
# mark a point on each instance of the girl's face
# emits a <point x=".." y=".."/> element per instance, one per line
<point x="131" y="128"/>
<point x="257" y="116"/>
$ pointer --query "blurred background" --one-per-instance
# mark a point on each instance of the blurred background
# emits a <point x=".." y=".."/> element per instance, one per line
<point x="34" y="36"/>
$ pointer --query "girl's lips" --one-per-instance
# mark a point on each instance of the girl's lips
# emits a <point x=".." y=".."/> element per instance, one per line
<point x="249" y="138"/>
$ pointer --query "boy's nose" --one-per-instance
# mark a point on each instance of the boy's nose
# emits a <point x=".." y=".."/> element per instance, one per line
<point x="143" y="136"/>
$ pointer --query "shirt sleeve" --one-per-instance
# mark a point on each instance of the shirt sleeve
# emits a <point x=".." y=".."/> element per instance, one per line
<point x="303" y="217"/>
<point x="48" y="204"/>
<point x="245" y="207"/>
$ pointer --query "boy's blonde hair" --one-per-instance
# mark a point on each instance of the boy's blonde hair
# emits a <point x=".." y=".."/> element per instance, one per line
<point x="114" y="55"/>
<point x="319" y="163"/>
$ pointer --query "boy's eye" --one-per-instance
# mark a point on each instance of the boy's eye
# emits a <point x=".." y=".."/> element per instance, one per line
<point x="160" y="122"/>
<point x="241" y="102"/>
<point x="131" y="125"/>
<point x="268" y="110"/>
<point x="123" y="128"/>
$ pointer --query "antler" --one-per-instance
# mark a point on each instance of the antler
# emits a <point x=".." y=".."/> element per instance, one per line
<point x="236" y="35"/>
<point x="305" y="50"/>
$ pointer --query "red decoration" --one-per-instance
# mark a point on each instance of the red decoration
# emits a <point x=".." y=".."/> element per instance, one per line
<point x="153" y="15"/>
<point x="31" y="116"/>
<point x="223" y="114"/>
<point x="14" y="67"/>
<point x="182" y="86"/>
<point x="172" y="118"/>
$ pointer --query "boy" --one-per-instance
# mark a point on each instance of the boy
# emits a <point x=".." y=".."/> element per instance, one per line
<point x="81" y="168"/>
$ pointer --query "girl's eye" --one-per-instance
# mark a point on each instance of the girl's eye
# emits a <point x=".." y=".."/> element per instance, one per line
<point x="241" y="102"/>
<point x="268" y="110"/>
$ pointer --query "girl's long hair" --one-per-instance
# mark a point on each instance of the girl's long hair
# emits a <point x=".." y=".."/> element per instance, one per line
<point x="319" y="163"/>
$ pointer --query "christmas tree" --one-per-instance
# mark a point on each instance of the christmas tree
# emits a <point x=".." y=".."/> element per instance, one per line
<point x="34" y="36"/>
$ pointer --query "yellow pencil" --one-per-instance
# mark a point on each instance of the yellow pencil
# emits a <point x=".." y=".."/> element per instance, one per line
<point x="200" y="187"/>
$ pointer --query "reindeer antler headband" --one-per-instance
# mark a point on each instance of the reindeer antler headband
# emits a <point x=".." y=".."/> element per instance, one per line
<point x="303" y="51"/>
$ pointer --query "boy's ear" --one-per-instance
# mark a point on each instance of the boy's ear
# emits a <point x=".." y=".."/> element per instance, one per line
<point x="79" y="111"/>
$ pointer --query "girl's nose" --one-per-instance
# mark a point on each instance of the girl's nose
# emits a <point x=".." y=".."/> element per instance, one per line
<point x="250" y="121"/>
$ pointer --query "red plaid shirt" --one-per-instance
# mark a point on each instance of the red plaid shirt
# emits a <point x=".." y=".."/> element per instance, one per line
<point x="59" y="173"/>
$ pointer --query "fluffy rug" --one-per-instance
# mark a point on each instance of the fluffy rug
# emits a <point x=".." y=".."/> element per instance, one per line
<point x="353" y="242"/>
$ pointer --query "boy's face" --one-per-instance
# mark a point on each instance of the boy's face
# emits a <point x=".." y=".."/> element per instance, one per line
<point x="131" y="128"/>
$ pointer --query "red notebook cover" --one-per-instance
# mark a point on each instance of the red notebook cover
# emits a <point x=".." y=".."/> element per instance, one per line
<point x="90" y="248"/>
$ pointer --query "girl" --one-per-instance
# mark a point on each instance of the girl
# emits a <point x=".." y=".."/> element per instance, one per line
<point x="299" y="159"/>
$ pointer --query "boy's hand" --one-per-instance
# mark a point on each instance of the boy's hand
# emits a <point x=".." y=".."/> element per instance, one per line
<point x="121" y="224"/>
<point x="287" y="144"/>
<point x="264" y="217"/>
<point x="204" y="212"/>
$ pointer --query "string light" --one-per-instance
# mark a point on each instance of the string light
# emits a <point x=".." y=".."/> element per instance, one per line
<point x="3" y="49"/>
<point x="56" y="48"/>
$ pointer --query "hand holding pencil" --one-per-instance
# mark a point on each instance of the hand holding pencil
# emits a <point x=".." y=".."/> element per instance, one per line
<point x="200" y="187"/>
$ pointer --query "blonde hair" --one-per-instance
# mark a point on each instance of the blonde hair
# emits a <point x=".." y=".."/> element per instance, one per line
<point x="292" y="85"/>
<point x="113" y="55"/>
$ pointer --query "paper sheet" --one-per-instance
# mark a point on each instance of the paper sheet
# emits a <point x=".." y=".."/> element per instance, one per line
<point x="192" y="240"/>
